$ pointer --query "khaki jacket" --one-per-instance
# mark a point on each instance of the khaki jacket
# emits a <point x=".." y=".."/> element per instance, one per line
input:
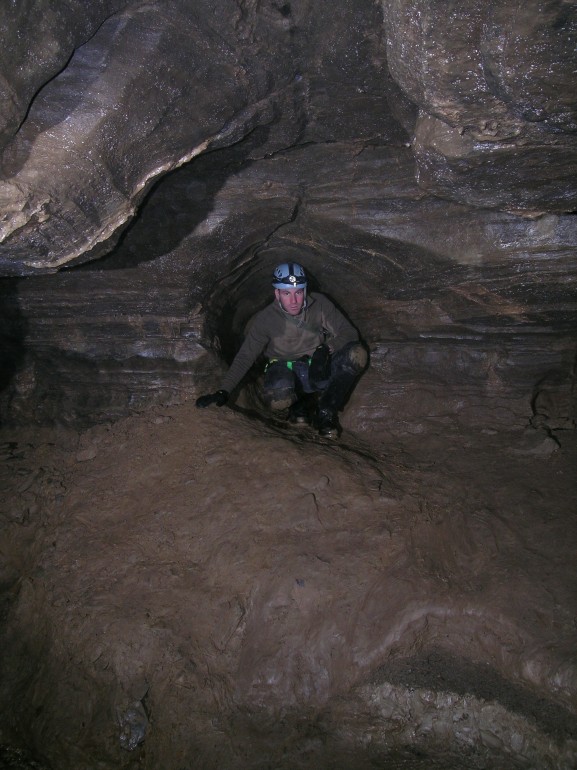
<point x="281" y="336"/>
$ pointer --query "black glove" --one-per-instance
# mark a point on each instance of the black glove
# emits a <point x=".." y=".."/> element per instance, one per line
<point x="219" y="398"/>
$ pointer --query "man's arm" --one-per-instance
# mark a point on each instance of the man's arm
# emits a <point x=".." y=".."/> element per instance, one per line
<point x="253" y="345"/>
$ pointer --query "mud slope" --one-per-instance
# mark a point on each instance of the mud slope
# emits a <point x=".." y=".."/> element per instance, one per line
<point x="204" y="589"/>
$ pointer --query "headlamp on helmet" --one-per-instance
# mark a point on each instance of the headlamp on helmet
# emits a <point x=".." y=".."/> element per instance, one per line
<point x="289" y="275"/>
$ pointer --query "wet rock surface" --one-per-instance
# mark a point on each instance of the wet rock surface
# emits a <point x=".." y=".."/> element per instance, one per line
<point x="488" y="123"/>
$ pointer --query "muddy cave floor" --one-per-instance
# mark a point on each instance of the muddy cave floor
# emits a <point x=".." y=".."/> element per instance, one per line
<point x="217" y="570"/>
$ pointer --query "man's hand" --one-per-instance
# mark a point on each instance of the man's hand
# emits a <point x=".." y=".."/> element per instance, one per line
<point x="219" y="398"/>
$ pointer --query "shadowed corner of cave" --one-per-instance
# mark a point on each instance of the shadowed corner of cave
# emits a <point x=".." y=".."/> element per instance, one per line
<point x="13" y="329"/>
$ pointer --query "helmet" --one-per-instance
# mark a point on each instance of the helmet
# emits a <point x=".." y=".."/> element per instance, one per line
<point x="289" y="275"/>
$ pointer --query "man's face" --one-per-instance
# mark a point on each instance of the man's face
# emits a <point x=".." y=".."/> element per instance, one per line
<point x="291" y="300"/>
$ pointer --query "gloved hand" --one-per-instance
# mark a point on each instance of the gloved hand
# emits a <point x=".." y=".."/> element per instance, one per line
<point x="219" y="398"/>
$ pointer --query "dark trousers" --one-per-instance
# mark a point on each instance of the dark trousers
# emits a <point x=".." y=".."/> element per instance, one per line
<point x="283" y="385"/>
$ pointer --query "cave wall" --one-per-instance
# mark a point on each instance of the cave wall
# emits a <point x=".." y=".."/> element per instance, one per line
<point x="159" y="159"/>
<point x="496" y="99"/>
<point x="433" y="286"/>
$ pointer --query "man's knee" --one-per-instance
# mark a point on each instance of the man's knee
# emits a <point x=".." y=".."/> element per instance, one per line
<point x="278" y="387"/>
<point x="279" y="398"/>
<point x="352" y="358"/>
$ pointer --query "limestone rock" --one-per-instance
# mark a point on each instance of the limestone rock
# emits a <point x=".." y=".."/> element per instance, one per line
<point x="103" y="104"/>
<point x="156" y="85"/>
<point x="496" y="90"/>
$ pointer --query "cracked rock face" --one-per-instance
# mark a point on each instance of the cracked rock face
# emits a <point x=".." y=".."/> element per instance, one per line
<point x="156" y="161"/>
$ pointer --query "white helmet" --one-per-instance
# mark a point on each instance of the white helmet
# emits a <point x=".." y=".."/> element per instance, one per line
<point x="289" y="275"/>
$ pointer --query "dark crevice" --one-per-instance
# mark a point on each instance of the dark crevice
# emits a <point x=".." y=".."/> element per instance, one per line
<point x="13" y="331"/>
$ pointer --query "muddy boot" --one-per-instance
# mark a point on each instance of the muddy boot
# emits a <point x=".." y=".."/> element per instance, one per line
<point x="328" y="423"/>
<point x="298" y="413"/>
<point x="331" y="401"/>
<point x="347" y="364"/>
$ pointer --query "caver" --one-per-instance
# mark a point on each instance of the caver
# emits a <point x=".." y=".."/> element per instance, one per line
<point x="314" y="354"/>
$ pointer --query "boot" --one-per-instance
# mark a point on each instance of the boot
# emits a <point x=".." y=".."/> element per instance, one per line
<point x="328" y="423"/>
<point x="298" y="413"/>
<point x="331" y="401"/>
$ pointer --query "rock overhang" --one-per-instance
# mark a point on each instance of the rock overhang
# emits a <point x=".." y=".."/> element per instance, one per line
<point x="128" y="93"/>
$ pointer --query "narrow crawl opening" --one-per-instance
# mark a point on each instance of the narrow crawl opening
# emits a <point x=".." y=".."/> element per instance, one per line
<point x="242" y="293"/>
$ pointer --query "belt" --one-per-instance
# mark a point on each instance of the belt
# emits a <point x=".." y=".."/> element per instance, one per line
<point x="289" y="364"/>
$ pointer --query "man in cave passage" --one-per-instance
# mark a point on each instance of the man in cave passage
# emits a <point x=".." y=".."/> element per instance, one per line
<point x="311" y="349"/>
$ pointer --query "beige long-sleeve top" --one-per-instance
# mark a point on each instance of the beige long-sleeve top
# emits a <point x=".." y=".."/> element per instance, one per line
<point x="282" y="336"/>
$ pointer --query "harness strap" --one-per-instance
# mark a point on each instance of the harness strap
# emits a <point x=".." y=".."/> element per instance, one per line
<point x="289" y="364"/>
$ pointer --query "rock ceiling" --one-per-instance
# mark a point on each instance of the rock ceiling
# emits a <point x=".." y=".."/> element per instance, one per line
<point x="100" y="105"/>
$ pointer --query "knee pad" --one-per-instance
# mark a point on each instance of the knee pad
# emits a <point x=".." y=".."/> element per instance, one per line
<point x="358" y="357"/>
<point x="279" y="398"/>
<point x="352" y="358"/>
